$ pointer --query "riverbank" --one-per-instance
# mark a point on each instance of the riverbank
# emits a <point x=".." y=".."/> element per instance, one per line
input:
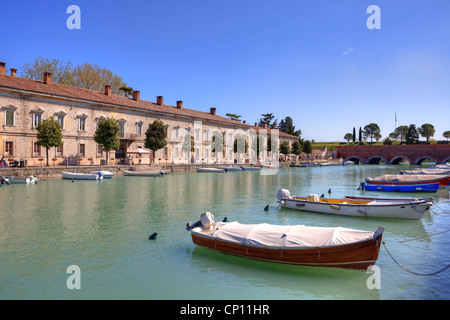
<point x="54" y="172"/>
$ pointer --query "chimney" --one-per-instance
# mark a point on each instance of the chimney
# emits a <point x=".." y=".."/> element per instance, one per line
<point x="160" y="100"/>
<point x="13" y="72"/>
<point x="2" y="68"/>
<point x="136" y="95"/>
<point x="256" y="124"/>
<point x="47" y="77"/>
<point x="244" y="122"/>
<point x="108" y="90"/>
<point x="180" y="104"/>
<point x="213" y="111"/>
<point x="264" y="125"/>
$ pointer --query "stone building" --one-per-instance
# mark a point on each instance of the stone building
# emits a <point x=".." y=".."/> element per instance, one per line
<point x="24" y="103"/>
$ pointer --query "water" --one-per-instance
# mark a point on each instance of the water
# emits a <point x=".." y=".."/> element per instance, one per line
<point x="103" y="227"/>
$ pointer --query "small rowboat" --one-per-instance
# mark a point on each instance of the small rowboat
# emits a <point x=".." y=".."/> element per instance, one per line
<point x="396" y="179"/>
<point x="105" y="174"/>
<point x="231" y="168"/>
<point x="370" y="207"/>
<point x="142" y="173"/>
<point x="425" y="187"/>
<point x="297" y="245"/>
<point x="210" y="170"/>
<point x="81" y="176"/>
<point x="250" y="168"/>
<point x="28" y="180"/>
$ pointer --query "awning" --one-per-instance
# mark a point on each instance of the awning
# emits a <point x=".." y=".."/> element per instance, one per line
<point x="139" y="151"/>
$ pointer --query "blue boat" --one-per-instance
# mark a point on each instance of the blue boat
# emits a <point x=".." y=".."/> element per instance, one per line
<point x="428" y="187"/>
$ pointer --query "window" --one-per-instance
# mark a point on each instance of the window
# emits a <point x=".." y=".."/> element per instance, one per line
<point x="60" y="120"/>
<point x="82" y="152"/>
<point x="9" y="117"/>
<point x="139" y="128"/>
<point x="100" y="150"/>
<point x="59" y="151"/>
<point x="82" y="124"/>
<point x="36" y="150"/>
<point x="9" y="148"/>
<point x="121" y="123"/>
<point x="37" y="117"/>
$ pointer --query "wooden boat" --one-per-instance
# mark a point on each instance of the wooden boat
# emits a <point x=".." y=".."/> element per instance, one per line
<point x="81" y="176"/>
<point x="426" y="171"/>
<point x="105" y="174"/>
<point x="216" y="170"/>
<point x="298" y="244"/>
<point x="425" y="187"/>
<point x="231" y="168"/>
<point x="396" y="179"/>
<point x="383" y="199"/>
<point x="250" y="168"/>
<point x="142" y="173"/>
<point x="369" y="207"/>
<point x="28" y="180"/>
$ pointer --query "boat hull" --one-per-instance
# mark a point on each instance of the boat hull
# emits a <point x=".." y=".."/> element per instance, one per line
<point x="430" y="187"/>
<point x="213" y="170"/>
<point x="384" y="209"/>
<point x="444" y="181"/>
<point x="81" y="176"/>
<point x="141" y="174"/>
<point x="358" y="255"/>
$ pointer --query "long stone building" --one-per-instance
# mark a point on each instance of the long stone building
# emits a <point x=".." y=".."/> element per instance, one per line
<point x="24" y="103"/>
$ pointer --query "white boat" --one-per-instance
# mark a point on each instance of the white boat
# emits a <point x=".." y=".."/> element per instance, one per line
<point x="142" y="173"/>
<point x="28" y="180"/>
<point x="210" y="170"/>
<point x="250" y="168"/>
<point x="81" y="176"/>
<point x="373" y="208"/>
<point x="231" y="168"/>
<point x="426" y="171"/>
<point x="105" y="174"/>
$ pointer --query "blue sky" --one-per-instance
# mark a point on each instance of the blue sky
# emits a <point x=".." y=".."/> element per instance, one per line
<point x="315" y="61"/>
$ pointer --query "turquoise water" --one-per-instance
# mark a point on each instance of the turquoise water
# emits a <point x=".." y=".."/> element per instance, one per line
<point x="103" y="228"/>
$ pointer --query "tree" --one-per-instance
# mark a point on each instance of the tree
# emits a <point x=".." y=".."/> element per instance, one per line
<point x="287" y="126"/>
<point x="371" y="131"/>
<point x="348" y="137"/>
<point x="446" y="135"/>
<point x="240" y="141"/>
<point x="155" y="136"/>
<point x="412" y="136"/>
<point x="285" y="148"/>
<point x="126" y="91"/>
<point x="354" y="135"/>
<point x="233" y="116"/>
<point x="427" y="131"/>
<point x="401" y="132"/>
<point x="360" y="135"/>
<point x="61" y="71"/>
<point x="393" y="136"/>
<point x="307" y="148"/>
<point x="49" y="134"/>
<point x="267" y="120"/>
<point x="107" y="134"/>
<point x="296" y="148"/>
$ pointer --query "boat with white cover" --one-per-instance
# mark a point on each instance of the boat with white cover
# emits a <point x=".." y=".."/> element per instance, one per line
<point x="81" y="176"/>
<point x="105" y="174"/>
<point x="413" y="209"/>
<point x="216" y="170"/>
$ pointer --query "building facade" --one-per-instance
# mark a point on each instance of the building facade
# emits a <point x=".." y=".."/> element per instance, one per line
<point x="24" y="103"/>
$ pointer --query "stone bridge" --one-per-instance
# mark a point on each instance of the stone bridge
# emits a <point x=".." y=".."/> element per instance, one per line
<point x="394" y="154"/>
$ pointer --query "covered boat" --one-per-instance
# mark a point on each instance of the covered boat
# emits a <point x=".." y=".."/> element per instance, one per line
<point x="231" y="168"/>
<point x="210" y="170"/>
<point x="249" y="168"/>
<point x="413" y="179"/>
<point x="424" y="187"/>
<point x="81" y="176"/>
<point x="426" y="171"/>
<point x="360" y="207"/>
<point x="143" y="173"/>
<point x="105" y="174"/>
<point x="291" y="244"/>
<point x="25" y="180"/>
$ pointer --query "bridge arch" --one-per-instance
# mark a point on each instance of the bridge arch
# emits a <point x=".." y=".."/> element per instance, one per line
<point x="355" y="159"/>
<point x="376" y="160"/>
<point x="398" y="159"/>
<point x="423" y="158"/>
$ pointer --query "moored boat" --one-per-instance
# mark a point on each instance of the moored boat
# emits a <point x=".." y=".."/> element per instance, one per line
<point x="426" y="171"/>
<point x="217" y="170"/>
<point x="361" y="207"/>
<point x="81" y="176"/>
<point x="25" y="180"/>
<point x="397" y="179"/>
<point x="105" y="174"/>
<point x="143" y="173"/>
<point x="231" y="168"/>
<point x="424" y="187"/>
<point x="291" y="244"/>
<point x="250" y="168"/>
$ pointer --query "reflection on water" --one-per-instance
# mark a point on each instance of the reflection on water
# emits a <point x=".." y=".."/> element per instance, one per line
<point x="103" y="227"/>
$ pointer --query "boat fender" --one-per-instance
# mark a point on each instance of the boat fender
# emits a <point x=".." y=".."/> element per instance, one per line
<point x="153" y="236"/>
<point x="266" y="208"/>
<point x="335" y="207"/>
<point x="322" y="195"/>
<point x="225" y="219"/>
<point x="329" y="190"/>
<point x="362" y="184"/>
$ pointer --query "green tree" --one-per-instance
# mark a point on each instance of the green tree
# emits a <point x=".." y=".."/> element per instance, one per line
<point x="348" y="137"/>
<point x="307" y="148"/>
<point x="296" y="148"/>
<point x="372" y="131"/>
<point x="354" y="134"/>
<point x="240" y="141"/>
<point x="61" y="71"/>
<point x="446" y="135"/>
<point x="49" y="134"/>
<point x="267" y="120"/>
<point x="188" y="143"/>
<point x="287" y="126"/>
<point x="285" y="148"/>
<point x="427" y="131"/>
<point x="360" y="135"/>
<point x="155" y="136"/>
<point x="233" y="116"/>
<point x="126" y="91"/>
<point x="412" y="136"/>
<point x="107" y="134"/>
<point x="401" y="132"/>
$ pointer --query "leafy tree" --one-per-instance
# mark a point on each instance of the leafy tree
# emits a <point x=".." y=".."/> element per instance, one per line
<point x="240" y="141"/>
<point x="348" y="137"/>
<point x="258" y="144"/>
<point x="446" y="135"/>
<point x="267" y="120"/>
<point x="233" y="116"/>
<point x="126" y="91"/>
<point x="387" y="141"/>
<point x="307" y="148"/>
<point x="285" y="148"/>
<point x="296" y="147"/>
<point x="354" y="135"/>
<point x="107" y="134"/>
<point x="61" y="71"/>
<point x="427" y="131"/>
<point x="401" y="132"/>
<point x="217" y="142"/>
<point x="412" y="136"/>
<point x="49" y="134"/>
<point x="188" y="143"/>
<point x="155" y="136"/>
<point x="371" y="131"/>
<point x="287" y="126"/>
<point x="393" y="136"/>
<point x="360" y="135"/>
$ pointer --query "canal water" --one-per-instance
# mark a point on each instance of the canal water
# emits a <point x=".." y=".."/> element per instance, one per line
<point x="103" y="227"/>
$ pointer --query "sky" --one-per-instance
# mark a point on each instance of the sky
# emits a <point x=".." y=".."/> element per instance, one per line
<point x="315" y="61"/>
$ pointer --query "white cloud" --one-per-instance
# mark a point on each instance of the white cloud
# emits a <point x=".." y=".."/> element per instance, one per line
<point x="348" y="51"/>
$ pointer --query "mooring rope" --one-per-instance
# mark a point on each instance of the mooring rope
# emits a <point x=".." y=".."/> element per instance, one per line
<point x="410" y="271"/>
